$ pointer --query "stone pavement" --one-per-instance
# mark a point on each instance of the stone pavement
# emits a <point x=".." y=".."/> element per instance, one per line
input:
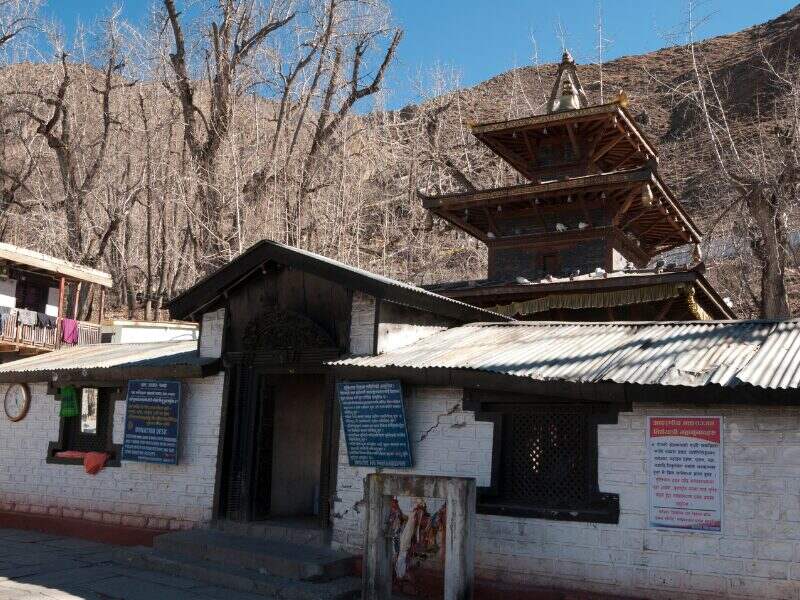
<point x="49" y="567"/>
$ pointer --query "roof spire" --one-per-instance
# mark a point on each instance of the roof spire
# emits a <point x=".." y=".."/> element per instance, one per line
<point x="567" y="93"/>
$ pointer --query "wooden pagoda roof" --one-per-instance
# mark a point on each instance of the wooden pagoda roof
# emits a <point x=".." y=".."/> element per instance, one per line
<point x="604" y="138"/>
<point x="658" y="225"/>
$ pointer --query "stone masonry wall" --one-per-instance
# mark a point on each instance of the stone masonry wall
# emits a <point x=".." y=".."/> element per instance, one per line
<point x="756" y="556"/>
<point x="134" y="494"/>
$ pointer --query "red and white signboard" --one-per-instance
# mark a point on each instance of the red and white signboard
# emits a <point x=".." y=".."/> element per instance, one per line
<point x="684" y="458"/>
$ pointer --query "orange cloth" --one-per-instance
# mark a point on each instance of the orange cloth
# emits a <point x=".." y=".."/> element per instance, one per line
<point x="70" y="454"/>
<point x="94" y="462"/>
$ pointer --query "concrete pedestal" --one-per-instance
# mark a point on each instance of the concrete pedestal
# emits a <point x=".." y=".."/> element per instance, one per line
<point x="459" y="494"/>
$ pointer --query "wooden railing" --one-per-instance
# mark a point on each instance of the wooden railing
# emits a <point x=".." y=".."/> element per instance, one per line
<point x="46" y="338"/>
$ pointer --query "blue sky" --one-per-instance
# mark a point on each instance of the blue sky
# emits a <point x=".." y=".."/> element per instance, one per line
<point x="482" y="38"/>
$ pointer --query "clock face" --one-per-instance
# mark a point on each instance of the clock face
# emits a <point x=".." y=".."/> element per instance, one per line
<point x="17" y="401"/>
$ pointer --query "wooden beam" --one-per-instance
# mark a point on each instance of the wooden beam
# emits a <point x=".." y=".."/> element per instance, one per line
<point x="102" y="305"/>
<point x="625" y="206"/>
<point x="458" y="222"/>
<point x="529" y="145"/>
<point x="596" y="140"/>
<point x="605" y="149"/>
<point x="633" y="220"/>
<point x="573" y="140"/>
<point x="77" y="300"/>
<point x="626" y="159"/>
<point x="61" y="286"/>
<point x="490" y="220"/>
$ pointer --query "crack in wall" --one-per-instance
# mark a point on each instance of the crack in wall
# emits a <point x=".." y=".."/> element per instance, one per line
<point x="456" y="408"/>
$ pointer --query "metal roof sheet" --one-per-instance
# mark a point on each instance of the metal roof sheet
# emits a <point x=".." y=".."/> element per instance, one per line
<point x="761" y="353"/>
<point x="107" y="356"/>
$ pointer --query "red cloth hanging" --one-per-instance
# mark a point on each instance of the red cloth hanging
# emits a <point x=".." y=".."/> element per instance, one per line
<point x="94" y="462"/>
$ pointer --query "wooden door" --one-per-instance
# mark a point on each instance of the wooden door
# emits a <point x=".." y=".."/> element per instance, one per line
<point x="264" y="440"/>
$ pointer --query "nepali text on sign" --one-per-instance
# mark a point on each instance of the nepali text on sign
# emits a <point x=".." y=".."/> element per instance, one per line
<point x="152" y="422"/>
<point x="374" y="423"/>
<point x="685" y="472"/>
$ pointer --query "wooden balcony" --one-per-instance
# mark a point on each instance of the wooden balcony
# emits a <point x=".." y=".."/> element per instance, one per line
<point x="35" y="339"/>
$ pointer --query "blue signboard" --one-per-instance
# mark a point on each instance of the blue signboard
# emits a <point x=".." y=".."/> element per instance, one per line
<point x="152" y="422"/>
<point x="374" y="423"/>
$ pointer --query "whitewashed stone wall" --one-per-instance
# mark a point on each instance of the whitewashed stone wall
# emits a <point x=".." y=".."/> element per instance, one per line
<point x="756" y="556"/>
<point x="444" y="441"/>
<point x="362" y="324"/>
<point x="134" y="494"/>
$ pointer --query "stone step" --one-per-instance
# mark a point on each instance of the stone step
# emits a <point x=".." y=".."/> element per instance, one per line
<point x="298" y="531"/>
<point x="283" y="559"/>
<point x="238" y="578"/>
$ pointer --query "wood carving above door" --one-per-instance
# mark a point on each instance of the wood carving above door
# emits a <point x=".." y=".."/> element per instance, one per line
<point x="287" y="336"/>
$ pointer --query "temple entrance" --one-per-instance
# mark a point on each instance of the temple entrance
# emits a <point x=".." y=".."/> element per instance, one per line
<point x="275" y="458"/>
<point x="289" y="441"/>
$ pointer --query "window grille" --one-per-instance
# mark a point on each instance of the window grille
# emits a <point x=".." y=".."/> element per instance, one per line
<point x="544" y="458"/>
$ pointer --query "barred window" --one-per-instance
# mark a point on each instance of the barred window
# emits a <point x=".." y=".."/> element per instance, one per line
<point x="545" y="462"/>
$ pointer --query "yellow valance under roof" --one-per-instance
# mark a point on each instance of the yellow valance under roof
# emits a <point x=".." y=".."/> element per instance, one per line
<point x="607" y="299"/>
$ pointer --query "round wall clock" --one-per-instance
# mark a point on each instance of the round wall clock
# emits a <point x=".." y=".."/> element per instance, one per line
<point x="17" y="401"/>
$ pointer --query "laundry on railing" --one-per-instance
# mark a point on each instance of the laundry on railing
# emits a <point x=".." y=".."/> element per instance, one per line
<point x="69" y="331"/>
<point x="26" y="317"/>
<point x="45" y="320"/>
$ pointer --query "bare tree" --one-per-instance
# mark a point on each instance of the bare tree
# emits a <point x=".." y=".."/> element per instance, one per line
<point x="339" y="77"/>
<point x="17" y="16"/>
<point x="237" y="31"/>
<point x="756" y="181"/>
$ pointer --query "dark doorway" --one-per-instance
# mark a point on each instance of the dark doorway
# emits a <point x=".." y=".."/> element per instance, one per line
<point x="274" y="448"/>
<point x="265" y="430"/>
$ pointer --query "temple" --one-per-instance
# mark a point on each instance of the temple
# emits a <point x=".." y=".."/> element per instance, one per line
<point x="576" y="242"/>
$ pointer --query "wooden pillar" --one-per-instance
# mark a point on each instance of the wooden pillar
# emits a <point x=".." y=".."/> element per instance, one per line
<point x="77" y="300"/>
<point x="459" y="563"/>
<point x="102" y="304"/>
<point x="62" y="284"/>
<point x="376" y="580"/>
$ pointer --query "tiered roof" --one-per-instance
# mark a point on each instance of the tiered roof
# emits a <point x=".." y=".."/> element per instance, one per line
<point x="593" y="188"/>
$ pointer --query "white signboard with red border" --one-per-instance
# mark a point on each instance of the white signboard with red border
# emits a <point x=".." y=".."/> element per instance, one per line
<point x="684" y="459"/>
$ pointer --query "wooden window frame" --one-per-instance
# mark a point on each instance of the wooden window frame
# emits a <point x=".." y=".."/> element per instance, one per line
<point x="70" y="436"/>
<point x="600" y="508"/>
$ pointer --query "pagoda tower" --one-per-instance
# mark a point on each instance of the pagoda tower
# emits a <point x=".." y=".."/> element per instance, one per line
<point x="575" y="241"/>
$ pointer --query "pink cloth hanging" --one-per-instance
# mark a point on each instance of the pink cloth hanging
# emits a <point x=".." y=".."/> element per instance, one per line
<point x="69" y="331"/>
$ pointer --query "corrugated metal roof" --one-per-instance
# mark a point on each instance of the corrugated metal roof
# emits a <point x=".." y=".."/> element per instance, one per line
<point x="761" y="353"/>
<point x="108" y="356"/>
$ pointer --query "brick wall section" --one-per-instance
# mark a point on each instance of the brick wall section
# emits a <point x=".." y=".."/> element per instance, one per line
<point x="444" y="441"/>
<point x="135" y="494"/>
<point x="362" y="324"/>
<point x="757" y="555"/>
